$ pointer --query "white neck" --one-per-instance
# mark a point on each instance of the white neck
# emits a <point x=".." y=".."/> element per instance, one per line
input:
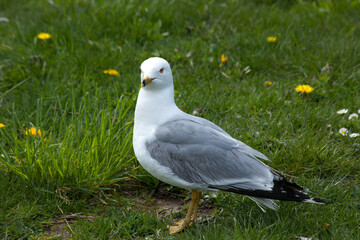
<point x="154" y="107"/>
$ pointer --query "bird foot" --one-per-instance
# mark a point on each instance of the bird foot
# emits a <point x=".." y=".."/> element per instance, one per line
<point x="181" y="222"/>
<point x="180" y="226"/>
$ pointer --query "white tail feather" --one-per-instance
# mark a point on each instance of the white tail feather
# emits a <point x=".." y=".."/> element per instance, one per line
<point x="264" y="202"/>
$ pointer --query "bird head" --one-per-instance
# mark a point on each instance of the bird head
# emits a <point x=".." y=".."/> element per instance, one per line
<point x="155" y="73"/>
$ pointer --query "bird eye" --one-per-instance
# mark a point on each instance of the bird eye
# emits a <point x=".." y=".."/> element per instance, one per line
<point x="161" y="70"/>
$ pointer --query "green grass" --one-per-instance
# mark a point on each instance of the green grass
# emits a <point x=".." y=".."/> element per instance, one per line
<point x="84" y="154"/>
<point x="80" y="150"/>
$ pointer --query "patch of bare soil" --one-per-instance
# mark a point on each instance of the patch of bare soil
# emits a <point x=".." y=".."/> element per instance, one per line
<point x="166" y="202"/>
<point x="161" y="201"/>
<point x="56" y="231"/>
<point x="61" y="227"/>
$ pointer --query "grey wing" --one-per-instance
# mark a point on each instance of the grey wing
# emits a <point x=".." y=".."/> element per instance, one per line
<point x="198" y="153"/>
<point x="242" y="146"/>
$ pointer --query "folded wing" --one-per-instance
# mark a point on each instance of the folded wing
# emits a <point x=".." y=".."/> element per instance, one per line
<point x="202" y="153"/>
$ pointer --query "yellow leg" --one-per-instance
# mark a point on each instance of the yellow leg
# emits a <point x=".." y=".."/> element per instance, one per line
<point x="196" y="206"/>
<point x="181" y="225"/>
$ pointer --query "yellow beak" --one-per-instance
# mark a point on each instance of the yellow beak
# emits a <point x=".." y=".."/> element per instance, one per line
<point x="146" y="81"/>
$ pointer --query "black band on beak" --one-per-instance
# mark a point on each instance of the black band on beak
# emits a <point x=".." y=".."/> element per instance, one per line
<point x="146" y="81"/>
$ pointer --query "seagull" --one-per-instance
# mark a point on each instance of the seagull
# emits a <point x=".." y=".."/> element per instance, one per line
<point x="195" y="154"/>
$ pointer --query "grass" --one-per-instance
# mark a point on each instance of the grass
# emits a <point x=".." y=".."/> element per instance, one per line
<point x="59" y="156"/>
<point x="83" y="158"/>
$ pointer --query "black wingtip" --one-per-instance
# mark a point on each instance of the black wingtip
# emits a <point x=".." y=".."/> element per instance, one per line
<point x="283" y="190"/>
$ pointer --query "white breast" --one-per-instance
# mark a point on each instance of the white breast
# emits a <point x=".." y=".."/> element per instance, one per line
<point x="160" y="172"/>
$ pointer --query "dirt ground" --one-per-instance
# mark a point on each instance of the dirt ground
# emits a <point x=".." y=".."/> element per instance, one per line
<point x="161" y="201"/>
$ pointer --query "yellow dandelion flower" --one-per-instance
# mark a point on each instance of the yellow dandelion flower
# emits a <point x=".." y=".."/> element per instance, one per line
<point x="304" y="89"/>
<point x="2" y="125"/>
<point x="112" y="72"/>
<point x="271" y="39"/>
<point x="32" y="132"/>
<point x="43" y="36"/>
<point x="223" y="58"/>
<point x="268" y="83"/>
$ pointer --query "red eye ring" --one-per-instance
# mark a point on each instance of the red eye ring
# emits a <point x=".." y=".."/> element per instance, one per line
<point x="161" y="70"/>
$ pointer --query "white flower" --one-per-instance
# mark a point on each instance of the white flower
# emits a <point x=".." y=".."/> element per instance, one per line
<point x="353" y="115"/>
<point x="304" y="238"/>
<point x="354" y="135"/>
<point x="342" y="111"/>
<point x="343" y="131"/>
<point x="359" y="111"/>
